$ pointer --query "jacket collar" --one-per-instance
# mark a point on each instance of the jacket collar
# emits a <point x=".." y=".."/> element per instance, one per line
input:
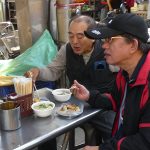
<point x="141" y="72"/>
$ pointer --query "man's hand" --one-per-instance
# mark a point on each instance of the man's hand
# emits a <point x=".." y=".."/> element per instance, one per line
<point x="33" y="73"/>
<point x="79" y="91"/>
<point x="91" y="148"/>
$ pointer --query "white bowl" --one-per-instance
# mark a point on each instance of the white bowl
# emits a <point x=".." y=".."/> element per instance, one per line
<point x="62" y="95"/>
<point x="41" y="109"/>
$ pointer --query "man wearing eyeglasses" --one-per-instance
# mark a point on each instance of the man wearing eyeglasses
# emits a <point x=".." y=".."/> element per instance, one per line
<point x="82" y="59"/>
<point x="125" y="45"/>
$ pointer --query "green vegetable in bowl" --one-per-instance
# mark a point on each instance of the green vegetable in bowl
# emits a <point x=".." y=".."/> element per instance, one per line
<point x="43" y="106"/>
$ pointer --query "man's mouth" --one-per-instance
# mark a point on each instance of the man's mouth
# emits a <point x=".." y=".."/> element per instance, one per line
<point x="106" y="55"/>
<point x="77" y="48"/>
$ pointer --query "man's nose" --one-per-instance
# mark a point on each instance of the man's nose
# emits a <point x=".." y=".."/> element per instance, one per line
<point x="105" y="45"/>
<point x="75" y="40"/>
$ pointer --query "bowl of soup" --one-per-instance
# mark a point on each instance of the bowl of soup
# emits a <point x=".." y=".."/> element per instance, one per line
<point x="43" y="108"/>
<point x="62" y="95"/>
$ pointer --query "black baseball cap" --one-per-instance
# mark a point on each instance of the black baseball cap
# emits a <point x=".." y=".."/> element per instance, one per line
<point x="123" y="23"/>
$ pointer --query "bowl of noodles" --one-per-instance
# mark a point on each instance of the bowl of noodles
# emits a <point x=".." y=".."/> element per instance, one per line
<point x="62" y="95"/>
<point x="43" y="108"/>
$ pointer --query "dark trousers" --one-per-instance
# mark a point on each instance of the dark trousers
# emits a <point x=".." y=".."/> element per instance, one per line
<point x="100" y="127"/>
<point x="48" y="145"/>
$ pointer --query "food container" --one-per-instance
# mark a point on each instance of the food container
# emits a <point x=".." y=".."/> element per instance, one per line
<point x="23" y="86"/>
<point x="23" y="95"/>
<point x="43" y="108"/>
<point x="10" y="116"/>
<point x="25" y="103"/>
<point x="70" y="110"/>
<point x="62" y="95"/>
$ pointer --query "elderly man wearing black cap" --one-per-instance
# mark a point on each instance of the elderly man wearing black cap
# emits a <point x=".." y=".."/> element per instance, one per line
<point x="125" y="43"/>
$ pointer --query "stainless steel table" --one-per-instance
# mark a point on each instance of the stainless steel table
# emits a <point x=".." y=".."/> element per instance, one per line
<point x="35" y="130"/>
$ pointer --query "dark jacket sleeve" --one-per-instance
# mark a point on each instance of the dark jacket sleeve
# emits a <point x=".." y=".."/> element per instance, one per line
<point x="108" y="101"/>
<point x="99" y="100"/>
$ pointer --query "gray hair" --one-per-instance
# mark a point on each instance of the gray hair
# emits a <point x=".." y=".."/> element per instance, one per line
<point x="83" y="18"/>
<point x="144" y="47"/>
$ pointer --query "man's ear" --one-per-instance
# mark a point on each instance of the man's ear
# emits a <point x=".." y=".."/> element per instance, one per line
<point x="134" y="45"/>
<point x="93" y="40"/>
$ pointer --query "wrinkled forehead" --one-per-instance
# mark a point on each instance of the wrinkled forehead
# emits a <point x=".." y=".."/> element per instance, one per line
<point x="77" y="27"/>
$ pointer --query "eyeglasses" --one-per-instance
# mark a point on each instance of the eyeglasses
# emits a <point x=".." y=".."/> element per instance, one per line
<point x="111" y="39"/>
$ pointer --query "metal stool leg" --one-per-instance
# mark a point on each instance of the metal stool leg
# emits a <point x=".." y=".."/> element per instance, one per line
<point x="72" y="145"/>
<point x="65" y="141"/>
<point x="72" y="140"/>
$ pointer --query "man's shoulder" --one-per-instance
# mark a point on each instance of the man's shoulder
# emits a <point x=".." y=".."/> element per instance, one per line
<point x="69" y="49"/>
<point x="98" y="48"/>
<point x="68" y="46"/>
<point x="98" y="43"/>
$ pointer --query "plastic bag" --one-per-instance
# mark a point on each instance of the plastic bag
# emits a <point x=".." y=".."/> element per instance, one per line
<point x="39" y="55"/>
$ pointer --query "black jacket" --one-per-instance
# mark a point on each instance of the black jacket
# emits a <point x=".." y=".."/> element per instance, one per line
<point x="93" y="75"/>
<point x="135" y="131"/>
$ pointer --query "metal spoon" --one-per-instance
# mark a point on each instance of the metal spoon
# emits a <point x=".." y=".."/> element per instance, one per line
<point x="38" y="96"/>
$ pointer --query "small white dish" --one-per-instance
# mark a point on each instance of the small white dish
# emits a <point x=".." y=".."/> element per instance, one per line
<point x="62" y="95"/>
<point x="70" y="110"/>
